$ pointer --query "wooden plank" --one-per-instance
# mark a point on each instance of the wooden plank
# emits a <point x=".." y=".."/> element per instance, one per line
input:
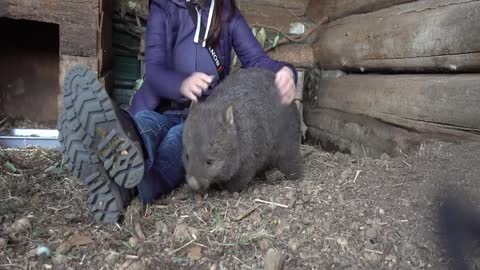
<point x="336" y="9"/>
<point x="423" y="36"/>
<point x="299" y="55"/>
<point x="105" y="49"/>
<point x="297" y="7"/>
<point x="3" y="9"/>
<point x="274" y="13"/>
<point x="78" y="20"/>
<point x="427" y="103"/>
<point x="365" y="136"/>
<point x="276" y="17"/>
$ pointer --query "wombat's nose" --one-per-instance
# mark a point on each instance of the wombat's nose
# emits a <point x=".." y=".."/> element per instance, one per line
<point x="193" y="182"/>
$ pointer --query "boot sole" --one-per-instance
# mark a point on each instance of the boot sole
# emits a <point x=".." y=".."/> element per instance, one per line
<point x="104" y="196"/>
<point x="87" y="104"/>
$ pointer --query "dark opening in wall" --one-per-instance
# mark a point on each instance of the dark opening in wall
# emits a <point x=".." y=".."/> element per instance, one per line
<point x="29" y="68"/>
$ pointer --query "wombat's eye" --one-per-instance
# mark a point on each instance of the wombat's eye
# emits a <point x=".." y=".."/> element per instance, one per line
<point x="186" y="157"/>
<point x="209" y="162"/>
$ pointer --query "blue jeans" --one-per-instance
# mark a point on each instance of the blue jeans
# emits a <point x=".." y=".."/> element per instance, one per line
<point x="162" y="140"/>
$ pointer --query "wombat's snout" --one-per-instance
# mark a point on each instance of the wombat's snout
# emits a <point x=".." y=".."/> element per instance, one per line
<point x="195" y="183"/>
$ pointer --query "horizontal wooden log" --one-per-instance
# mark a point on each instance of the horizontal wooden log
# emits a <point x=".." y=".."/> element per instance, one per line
<point x="365" y="136"/>
<point x="299" y="55"/>
<point x="3" y="9"/>
<point x="273" y="13"/>
<point x="78" y="20"/>
<point x="336" y="9"/>
<point x="446" y="104"/>
<point x="423" y="36"/>
<point x="297" y="7"/>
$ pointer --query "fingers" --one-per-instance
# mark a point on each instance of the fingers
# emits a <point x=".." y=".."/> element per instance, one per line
<point x="205" y="78"/>
<point x="196" y="90"/>
<point x="287" y="99"/>
<point x="191" y="96"/>
<point x="195" y="85"/>
<point x="286" y="87"/>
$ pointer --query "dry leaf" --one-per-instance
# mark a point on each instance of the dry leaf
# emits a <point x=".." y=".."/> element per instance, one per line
<point x="74" y="241"/>
<point x="139" y="231"/>
<point x="80" y="240"/>
<point x="195" y="253"/>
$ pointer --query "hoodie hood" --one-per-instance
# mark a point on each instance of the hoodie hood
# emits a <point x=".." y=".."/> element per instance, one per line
<point x="210" y="8"/>
<point x="180" y="3"/>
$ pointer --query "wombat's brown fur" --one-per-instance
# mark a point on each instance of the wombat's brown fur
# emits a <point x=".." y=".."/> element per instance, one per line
<point x="239" y="131"/>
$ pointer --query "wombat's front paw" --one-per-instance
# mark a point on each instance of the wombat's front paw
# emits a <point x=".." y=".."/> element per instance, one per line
<point x="236" y="185"/>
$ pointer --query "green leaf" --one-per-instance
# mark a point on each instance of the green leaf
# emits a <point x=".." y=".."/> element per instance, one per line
<point x="261" y="37"/>
<point x="10" y="166"/>
<point x="218" y="217"/>
<point x="254" y="31"/>
<point x="138" y="84"/>
<point x="275" y="41"/>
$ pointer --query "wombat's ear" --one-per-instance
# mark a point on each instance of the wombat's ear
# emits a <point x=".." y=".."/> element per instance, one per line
<point x="229" y="116"/>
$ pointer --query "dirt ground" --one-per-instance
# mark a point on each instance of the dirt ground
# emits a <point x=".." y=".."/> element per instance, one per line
<point x="346" y="213"/>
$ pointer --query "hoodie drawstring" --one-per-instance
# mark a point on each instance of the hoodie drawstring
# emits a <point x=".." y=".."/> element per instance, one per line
<point x="199" y="21"/>
<point x="210" y="16"/>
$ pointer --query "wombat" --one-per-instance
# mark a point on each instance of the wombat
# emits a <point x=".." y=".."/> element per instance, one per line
<point x="460" y="225"/>
<point x="240" y="131"/>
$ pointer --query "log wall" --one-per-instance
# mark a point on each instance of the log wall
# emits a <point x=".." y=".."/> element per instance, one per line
<point x="424" y="36"/>
<point x="274" y="13"/>
<point x="413" y="75"/>
<point x="336" y="9"/>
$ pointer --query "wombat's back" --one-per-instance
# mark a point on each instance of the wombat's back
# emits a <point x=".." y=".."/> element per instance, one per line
<point x="244" y="124"/>
<point x="251" y="90"/>
<point x="259" y="115"/>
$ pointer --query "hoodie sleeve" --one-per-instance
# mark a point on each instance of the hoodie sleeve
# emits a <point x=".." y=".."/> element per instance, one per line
<point x="160" y="79"/>
<point x="248" y="49"/>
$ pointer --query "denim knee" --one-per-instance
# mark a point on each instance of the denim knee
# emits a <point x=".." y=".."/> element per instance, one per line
<point x="152" y="127"/>
<point x="167" y="171"/>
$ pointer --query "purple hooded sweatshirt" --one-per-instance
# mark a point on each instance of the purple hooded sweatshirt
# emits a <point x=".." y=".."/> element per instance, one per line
<point x="172" y="55"/>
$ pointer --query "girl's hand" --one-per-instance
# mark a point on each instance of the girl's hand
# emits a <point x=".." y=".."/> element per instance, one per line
<point x="285" y="82"/>
<point x="194" y="85"/>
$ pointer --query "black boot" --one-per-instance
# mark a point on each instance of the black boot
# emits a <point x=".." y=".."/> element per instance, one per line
<point x="100" y="144"/>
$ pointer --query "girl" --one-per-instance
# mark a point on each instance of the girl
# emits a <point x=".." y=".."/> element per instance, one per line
<point x="118" y="154"/>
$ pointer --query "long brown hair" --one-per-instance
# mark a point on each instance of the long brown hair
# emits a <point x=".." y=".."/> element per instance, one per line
<point x="219" y="18"/>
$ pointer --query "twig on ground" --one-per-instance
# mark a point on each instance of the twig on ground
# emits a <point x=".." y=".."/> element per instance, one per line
<point x="271" y="203"/>
<point x="241" y="262"/>
<point x="246" y="214"/>
<point x="364" y="152"/>
<point x="324" y="163"/>
<point x="374" y="251"/>
<point x="201" y="245"/>
<point x="406" y="163"/>
<point x="131" y="257"/>
<point x="238" y="202"/>
<point x="11" y="265"/>
<point x="58" y="209"/>
<point x="195" y="214"/>
<point x="180" y="248"/>
<point x="357" y="173"/>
